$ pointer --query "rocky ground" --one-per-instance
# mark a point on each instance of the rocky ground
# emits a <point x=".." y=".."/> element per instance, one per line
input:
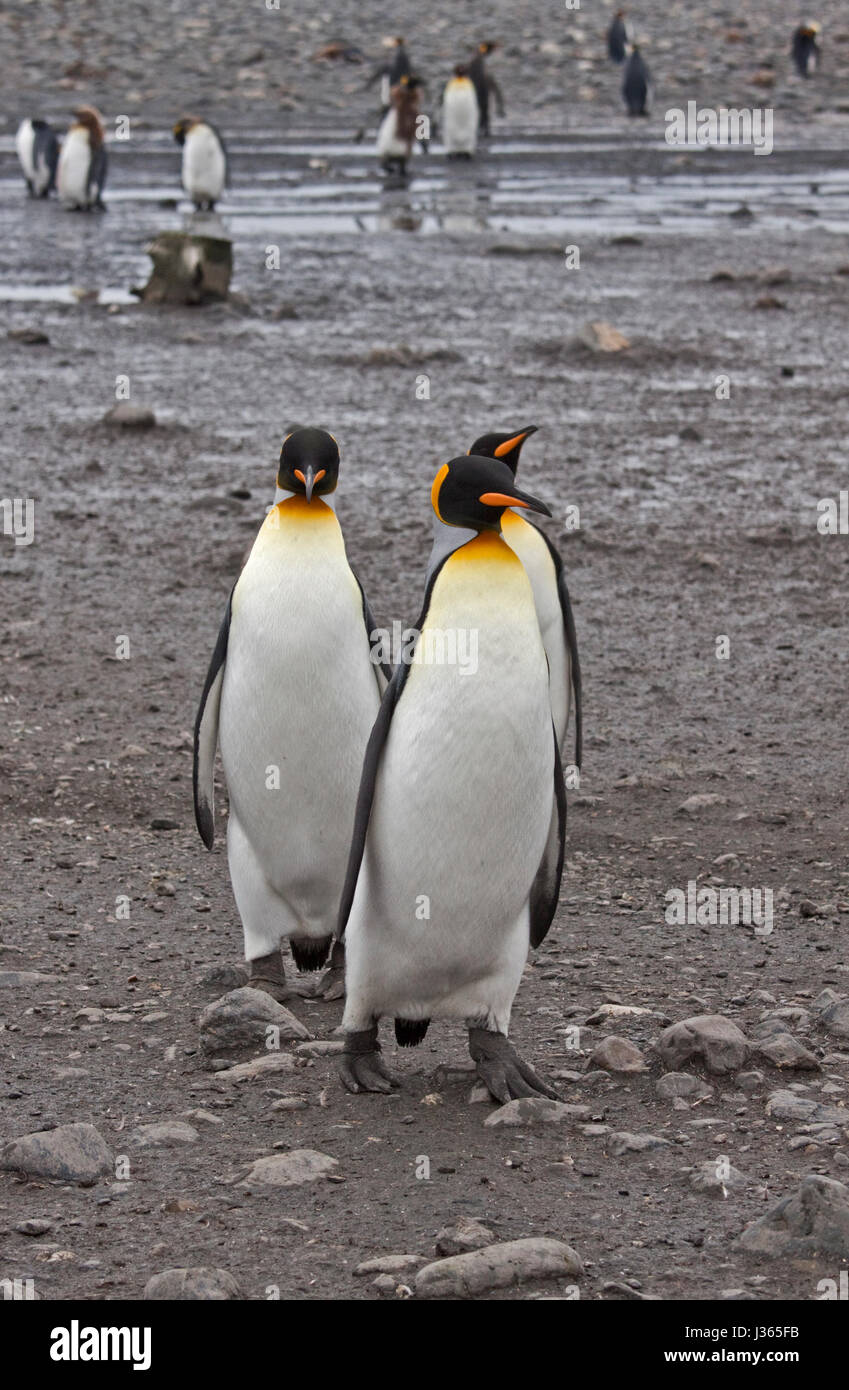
<point x="697" y="456"/>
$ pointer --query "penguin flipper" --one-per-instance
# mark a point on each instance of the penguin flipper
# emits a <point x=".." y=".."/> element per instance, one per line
<point x="545" y="891"/>
<point x="97" y="171"/>
<point x="206" y="734"/>
<point x="571" y="642"/>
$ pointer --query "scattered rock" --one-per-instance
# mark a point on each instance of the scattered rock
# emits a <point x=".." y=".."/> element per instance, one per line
<point x="71" y="1153"/>
<point x="623" y="1142"/>
<point x="241" y="1020"/>
<point x="601" y="336"/>
<point x="535" y="1110"/>
<point x="130" y="417"/>
<point x="30" y="337"/>
<point x="606" y="1012"/>
<point x="260" y="1066"/>
<point x="220" y="979"/>
<point x="835" y="1018"/>
<point x="787" y="1105"/>
<point x="34" y="1226"/>
<point x="675" y="1085"/>
<point x="619" y="1055"/>
<point x="164" y="1134"/>
<point x="19" y="979"/>
<point x="289" y="1169"/>
<point x="783" y="1050"/>
<point x="182" y="1285"/>
<point x="706" y="1179"/>
<point x="330" y="1048"/>
<point x="497" y="1267"/>
<point x="467" y="1234"/>
<point x="388" y="1264"/>
<point x="700" y="801"/>
<point x="812" y="1221"/>
<point x="710" y="1037"/>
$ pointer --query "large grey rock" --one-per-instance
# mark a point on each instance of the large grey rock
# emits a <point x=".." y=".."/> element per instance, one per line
<point x="498" y="1267"/>
<point x="784" y="1051"/>
<point x="710" y="1038"/>
<point x="289" y="1169"/>
<point x="240" y="1021"/>
<point x="533" y="1110"/>
<point x="72" y="1153"/>
<point x="813" y="1220"/>
<point x="183" y="1285"/>
<point x="835" y="1018"/>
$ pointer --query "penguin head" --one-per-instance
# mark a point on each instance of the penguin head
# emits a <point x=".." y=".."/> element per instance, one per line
<point x="90" y="119"/>
<point x="309" y="463"/>
<point x="506" y="447"/>
<point x="461" y="70"/>
<point x="182" y="128"/>
<point x="474" y="492"/>
<point x="486" y="48"/>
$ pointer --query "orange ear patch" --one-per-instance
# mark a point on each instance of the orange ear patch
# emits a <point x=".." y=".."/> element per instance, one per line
<point x="500" y="499"/>
<point x="434" y="492"/>
<point x="509" y="444"/>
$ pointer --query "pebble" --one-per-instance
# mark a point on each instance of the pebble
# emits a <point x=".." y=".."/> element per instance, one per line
<point x="258" y="1067"/>
<point x="498" y="1266"/>
<point x="18" y="979"/>
<point x="465" y="1235"/>
<point x="783" y="1050"/>
<point x="124" y="415"/>
<point x="535" y="1110"/>
<point x="289" y="1169"/>
<point x="201" y="1283"/>
<point x="623" y="1142"/>
<point x="700" y="801"/>
<point x="786" y="1105"/>
<point x="163" y="1134"/>
<point x="711" y="1038"/>
<point x="706" y="1179"/>
<point x="331" y="1048"/>
<point x="682" y="1085"/>
<point x="619" y="1055"/>
<point x="72" y="1153"/>
<point x="388" y="1264"/>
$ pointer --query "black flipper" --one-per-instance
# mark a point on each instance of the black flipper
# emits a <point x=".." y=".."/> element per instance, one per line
<point x="97" y="167"/>
<point x="206" y="734"/>
<point x="571" y="642"/>
<point x="545" y="891"/>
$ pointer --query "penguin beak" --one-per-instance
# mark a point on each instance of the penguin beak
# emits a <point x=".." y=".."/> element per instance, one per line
<point x="309" y="479"/>
<point x="510" y="444"/>
<point x="516" y="499"/>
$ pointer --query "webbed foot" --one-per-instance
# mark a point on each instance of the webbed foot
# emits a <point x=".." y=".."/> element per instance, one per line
<point x="502" y="1070"/>
<point x="361" y="1066"/>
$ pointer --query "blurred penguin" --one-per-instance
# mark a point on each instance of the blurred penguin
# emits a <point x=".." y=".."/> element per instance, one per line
<point x="38" y="151"/>
<point x="81" y="171"/>
<point x="617" y="38"/>
<point x="204" y="161"/>
<point x="806" y="50"/>
<point x="485" y="86"/>
<point x="636" y="84"/>
<point x="398" y="128"/>
<point x="459" y="122"/>
<point x="390" y="72"/>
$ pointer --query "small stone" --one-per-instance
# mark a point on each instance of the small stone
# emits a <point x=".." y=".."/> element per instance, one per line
<point x="750" y="1081"/>
<point x="707" y="1179"/>
<point x="164" y="823"/>
<point x="290" y="1103"/>
<point x="467" y="1234"/>
<point x="223" y="978"/>
<point x="619" y="1055"/>
<point x="20" y="979"/>
<point x="497" y="1266"/>
<point x="243" y="1019"/>
<point x="787" y="1105"/>
<point x="130" y="417"/>
<point x="71" y="1153"/>
<point x="388" y="1264"/>
<point x="183" y="1285"/>
<point x="700" y="801"/>
<point x="813" y="1221"/>
<point x="607" y="1012"/>
<point x="624" y="1142"/>
<point x="709" y="1037"/>
<point x="682" y="1084"/>
<point x="289" y="1169"/>
<point x="163" y="1134"/>
<point x="600" y="336"/>
<point x="783" y="1050"/>
<point x="535" y="1110"/>
<point x="30" y="337"/>
<point x="331" y="1048"/>
<point x="34" y="1226"/>
<point x="266" y="1065"/>
<point x="835" y="1018"/>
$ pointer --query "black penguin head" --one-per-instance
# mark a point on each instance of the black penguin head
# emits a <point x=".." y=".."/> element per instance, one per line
<point x="474" y="492"/>
<point x="182" y="128"/>
<point x="309" y="463"/>
<point x="486" y="48"/>
<point x="461" y="70"/>
<point x="506" y="447"/>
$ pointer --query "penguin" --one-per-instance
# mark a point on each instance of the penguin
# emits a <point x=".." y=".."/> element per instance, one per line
<point x="398" y="128"/>
<point x="81" y="170"/>
<point x="485" y="85"/>
<point x="457" y="852"/>
<point x="38" y="152"/>
<point x="290" y="697"/>
<point x="459" y="123"/>
<point x="617" y="38"/>
<point x="205" y="165"/>
<point x="389" y="73"/>
<point x="544" y="568"/>
<point x="806" y="50"/>
<point x="636" y="84"/>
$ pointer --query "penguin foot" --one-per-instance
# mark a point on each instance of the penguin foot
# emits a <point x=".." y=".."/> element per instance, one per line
<point x="502" y="1070"/>
<point x="331" y="985"/>
<point x="267" y="973"/>
<point x="361" y="1067"/>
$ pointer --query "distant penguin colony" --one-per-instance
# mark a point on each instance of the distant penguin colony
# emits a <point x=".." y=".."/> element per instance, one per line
<point x="204" y="161"/>
<point x="81" y="170"/>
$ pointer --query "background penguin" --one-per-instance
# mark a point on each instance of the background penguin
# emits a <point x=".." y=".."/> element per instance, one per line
<point x="398" y="128"/>
<point x="81" y="170"/>
<point x="545" y="570"/>
<point x="617" y="38"/>
<point x="204" y="161"/>
<point x="38" y="151"/>
<point x="636" y="84"/>
<point x="291" y="686"/>
<point x="459" y="121"/>
<point x="462" y="801"/>
<point x="485" y="85"/>
<point x="806" y="50"/>
<point x="390" y="72"/>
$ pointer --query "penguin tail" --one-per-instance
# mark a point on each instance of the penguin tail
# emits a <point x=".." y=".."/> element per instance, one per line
<point x="409" y="1032"/>
<point x="310" y="953"/>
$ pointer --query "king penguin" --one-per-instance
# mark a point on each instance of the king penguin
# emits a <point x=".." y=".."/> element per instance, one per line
<point x="545" y="570"/>
<point x="81" y="171"/>
<point x="617" y="38"/>
<point x="205" y="163"/>
<point x="805" y="49"/>
<point x="291" y="695"/>
<point x="459" y="122"/>
<point x="397" y="131"/>
<point x="457" y="852"/>
<point x="636" y="84"/>
<point x="38" y="152"/>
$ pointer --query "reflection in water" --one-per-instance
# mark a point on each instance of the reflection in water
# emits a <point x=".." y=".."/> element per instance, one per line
<point x="204" y="224"/>
<point x="459" y="211"/>
<point x="397" y="212"/>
